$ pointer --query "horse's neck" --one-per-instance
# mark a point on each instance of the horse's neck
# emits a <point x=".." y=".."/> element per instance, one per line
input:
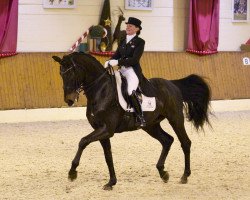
<point x="94" y="70"/>
<point x="101" y="92"/>
<point x="96" y="80"/>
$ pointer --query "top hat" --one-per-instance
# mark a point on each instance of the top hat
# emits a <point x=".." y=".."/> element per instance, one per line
<point x="134" y="21"/>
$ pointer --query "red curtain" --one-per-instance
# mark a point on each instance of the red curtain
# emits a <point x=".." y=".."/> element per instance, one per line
<point x="203" y="27"/>
<point x="8" y="27"/>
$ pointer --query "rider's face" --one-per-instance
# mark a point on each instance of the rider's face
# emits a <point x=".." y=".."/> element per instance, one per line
<point x="131" y="29"/>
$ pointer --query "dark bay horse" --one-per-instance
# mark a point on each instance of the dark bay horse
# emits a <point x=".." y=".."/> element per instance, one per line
<point x="80" y="71"/>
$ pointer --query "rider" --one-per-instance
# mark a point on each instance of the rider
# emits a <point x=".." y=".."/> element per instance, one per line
<point x="127" y="57"/>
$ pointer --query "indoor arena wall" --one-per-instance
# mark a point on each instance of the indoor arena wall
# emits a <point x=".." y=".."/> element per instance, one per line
<point x="32" y="80"/>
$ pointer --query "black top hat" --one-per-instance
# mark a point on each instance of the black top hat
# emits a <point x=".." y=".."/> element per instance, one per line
<point x="134" y="21"/>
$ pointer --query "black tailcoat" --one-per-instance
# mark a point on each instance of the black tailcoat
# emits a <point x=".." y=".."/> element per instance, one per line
<point x="129" y="54"/>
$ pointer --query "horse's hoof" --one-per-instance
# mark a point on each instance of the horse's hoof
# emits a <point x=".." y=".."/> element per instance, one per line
<point x="165" y="177"/>
<point x="72" y="175"/>
<point x="107" y="187"/>
<point x="184" y="180"/>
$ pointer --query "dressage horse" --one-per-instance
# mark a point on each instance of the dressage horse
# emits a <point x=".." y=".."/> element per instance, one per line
<point x="80" y="71"/>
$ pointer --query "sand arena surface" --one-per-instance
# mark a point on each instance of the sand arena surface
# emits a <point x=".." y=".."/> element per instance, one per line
<point x="35" y="158"/>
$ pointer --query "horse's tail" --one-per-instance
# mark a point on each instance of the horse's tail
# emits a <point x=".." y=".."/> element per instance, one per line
<point x="196" y="95"/>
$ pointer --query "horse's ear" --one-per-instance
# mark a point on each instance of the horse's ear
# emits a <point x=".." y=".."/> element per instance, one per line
<point x="57" y="59"/>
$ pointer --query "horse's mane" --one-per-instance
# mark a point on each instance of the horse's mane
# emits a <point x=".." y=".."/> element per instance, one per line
<point x="89" y="58"/>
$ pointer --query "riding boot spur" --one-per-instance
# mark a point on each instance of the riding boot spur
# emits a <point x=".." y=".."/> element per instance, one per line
<point x="138" y="110"/>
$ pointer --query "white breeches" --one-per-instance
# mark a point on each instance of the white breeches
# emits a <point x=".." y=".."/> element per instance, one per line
<point x="132" y="79"/>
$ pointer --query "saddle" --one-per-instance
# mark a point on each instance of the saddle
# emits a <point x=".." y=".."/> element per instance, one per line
<point x="147" y="103"/>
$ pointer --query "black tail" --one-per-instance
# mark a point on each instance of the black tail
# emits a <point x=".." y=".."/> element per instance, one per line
<point x="196" y="94"/>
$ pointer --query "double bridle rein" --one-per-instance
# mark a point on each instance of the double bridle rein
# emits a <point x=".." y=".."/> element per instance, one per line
<point x="79" y="87"/>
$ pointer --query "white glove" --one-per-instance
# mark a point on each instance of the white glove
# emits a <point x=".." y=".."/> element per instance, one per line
<point x="113" y="63"/>
<point x="110" y="62"/>
<point x="106" y="64"/>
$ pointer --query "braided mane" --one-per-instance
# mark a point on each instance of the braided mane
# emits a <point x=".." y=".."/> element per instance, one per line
<point x="90" y="59"/>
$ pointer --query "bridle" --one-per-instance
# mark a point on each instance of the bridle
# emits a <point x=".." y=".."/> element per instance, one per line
<point x="79" y="87"/>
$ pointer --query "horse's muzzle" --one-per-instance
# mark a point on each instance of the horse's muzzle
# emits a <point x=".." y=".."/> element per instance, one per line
<point x="70" y="102"/>
<point x="71" y="98"/>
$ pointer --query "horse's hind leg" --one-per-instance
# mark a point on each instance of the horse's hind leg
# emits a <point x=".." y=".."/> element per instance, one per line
<point x="166" y="141"/>
<point x="181" y="133"/>
<point x="109" y="160"/>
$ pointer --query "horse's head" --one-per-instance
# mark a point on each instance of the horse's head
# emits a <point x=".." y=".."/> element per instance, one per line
<point x="77" y="70"/>
<point x="69" y="72"/>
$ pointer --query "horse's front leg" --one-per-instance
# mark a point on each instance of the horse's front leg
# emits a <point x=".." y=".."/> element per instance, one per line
<point x="98" y="134"/>
<point x="109" y="160"/>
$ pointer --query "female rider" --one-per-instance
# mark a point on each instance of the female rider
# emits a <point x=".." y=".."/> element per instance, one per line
<point x="127" y="57"/>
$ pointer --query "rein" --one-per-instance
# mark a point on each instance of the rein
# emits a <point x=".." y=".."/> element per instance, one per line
<point x="81" y="86"/>
<point x="89" y="86"/>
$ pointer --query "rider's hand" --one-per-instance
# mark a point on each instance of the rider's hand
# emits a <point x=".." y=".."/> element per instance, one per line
<point x="106" y="64"/>
<point x="113" y="63"/>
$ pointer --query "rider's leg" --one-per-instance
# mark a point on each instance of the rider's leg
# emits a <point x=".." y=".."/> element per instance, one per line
<point x="132" y="80"/>
<point x="137" y="107"/>
<point x="133" y="83"/>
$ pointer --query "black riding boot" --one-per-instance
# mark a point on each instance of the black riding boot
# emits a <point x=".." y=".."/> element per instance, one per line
<point x="138" y="110"/>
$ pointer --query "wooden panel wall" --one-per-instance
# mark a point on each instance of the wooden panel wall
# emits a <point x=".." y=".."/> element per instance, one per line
<point x="32" y="80"/>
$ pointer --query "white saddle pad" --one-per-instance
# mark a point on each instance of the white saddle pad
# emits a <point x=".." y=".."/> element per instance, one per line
<point x="148" y="103"/>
